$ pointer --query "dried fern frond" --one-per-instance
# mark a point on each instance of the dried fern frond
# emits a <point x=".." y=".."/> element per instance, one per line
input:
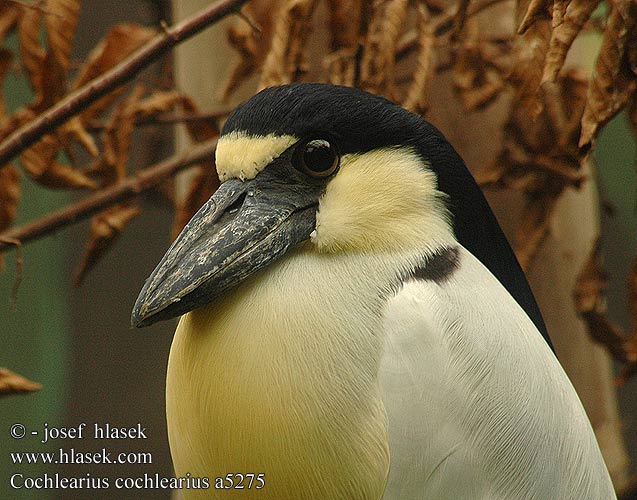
<point x="285" y="61"/>
<point x="614" y="79"/>
<point x="564" y="33"/>
<point x="417" y="94"/>
<point x="379" y="52"/>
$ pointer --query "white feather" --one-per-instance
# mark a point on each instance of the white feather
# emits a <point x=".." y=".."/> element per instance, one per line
<point x="478" y="406"/>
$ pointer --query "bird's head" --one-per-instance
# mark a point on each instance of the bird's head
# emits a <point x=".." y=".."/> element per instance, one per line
<point x="347" y="170"/>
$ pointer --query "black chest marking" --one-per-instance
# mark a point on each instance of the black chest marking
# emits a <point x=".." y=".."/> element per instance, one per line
<point x="439" y="266"/>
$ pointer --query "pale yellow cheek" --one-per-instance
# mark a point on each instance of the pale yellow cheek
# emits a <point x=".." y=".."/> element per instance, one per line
<point x="339" y="220"/>
<point x="380" y="200"/>
<point x="346" y="225"/>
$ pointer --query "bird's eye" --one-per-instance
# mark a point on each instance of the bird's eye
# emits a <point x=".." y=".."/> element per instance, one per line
<point x="317" y="158"/>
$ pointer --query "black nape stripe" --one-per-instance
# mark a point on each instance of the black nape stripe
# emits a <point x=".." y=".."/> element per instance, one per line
<point x="439" y="266"/>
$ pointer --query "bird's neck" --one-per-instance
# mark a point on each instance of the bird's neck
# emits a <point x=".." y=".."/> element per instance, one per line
<point x="315" y="313"/>
<point x="281" y="374"/>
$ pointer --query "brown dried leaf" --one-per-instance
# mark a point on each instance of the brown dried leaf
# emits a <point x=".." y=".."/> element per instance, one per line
<point x="251" y="44"/>
<point x="632" y="113"/>
<point x="493" y="175"/>
<point x="621" y="346"/>
<point x="589" y="296"/>
<point x="340" y="67"/>
<point x="544" y="150"/>
<point x="285" y="61"/>
<point x="203" y="184"/>
<point x="120" y="42"/>
<point x="563" y="169"/>
<point x="99" y="168"/>
<point x="117" y="137"/>
<point x="435" y="6"/>
<point x="344" y="23"/>
<point x="563" y="35"/>
<point x="379" y="52"/>
<point x="417" y="94"/>
<point x="460" y="17"/>
<point x="205" y="181"/>
<point x="243" y="39"/>
<point x="9" y="195"/>
<point x="554" y="106"/>
<point x="541" y="158"/>
<point x="535" y="223"/>
<point x="631" y="367"/>
<point x="518" y="169"/>
<point x="12" y="122"/>
<point x="60" y="21"/>
<point x="74" y="130"/>
<point x="158" y="102"/>
<point x="118" y="133"/>
<point x="614" y="78"/>
<point x="477" y="71"/>
<point x="529" y="52"/>
<point x="6" y="57"/>
<point x="559" y="11"/>
<point x="61" y="176"/>
<point x="9" y="14"/>
<point x="632" y="295"/>
<point x="537" y="9"/>
<point x="32" y="54"/>
<point x="574" y="87"/>
<point x="483" y="95"/>
<point x="592" y="283"/>
<point x="53" y="84"/>
<point x="105" y="229"/>
<point x="40" y="163"/>
<point x="12" y="383"/>
<point x="38" y="157"/>
<point x="263" y="11"/>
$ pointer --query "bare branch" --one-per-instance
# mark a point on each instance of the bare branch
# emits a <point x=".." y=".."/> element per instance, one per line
<point x="126" y="70"/>
<point x="131" y="187"/>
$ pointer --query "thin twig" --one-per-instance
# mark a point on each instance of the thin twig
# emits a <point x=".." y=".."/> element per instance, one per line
<point x="19" y="267"/>
<point x="126" y="70"/>
<point x="127" y="189"/>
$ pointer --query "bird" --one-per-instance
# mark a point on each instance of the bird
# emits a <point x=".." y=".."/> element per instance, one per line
<point x="354" y="324"/>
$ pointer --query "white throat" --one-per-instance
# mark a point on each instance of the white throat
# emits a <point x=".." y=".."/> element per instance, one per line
<point x="281" y="375"/>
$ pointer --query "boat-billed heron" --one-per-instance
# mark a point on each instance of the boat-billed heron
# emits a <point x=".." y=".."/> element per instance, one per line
<point x="354" y="324"/>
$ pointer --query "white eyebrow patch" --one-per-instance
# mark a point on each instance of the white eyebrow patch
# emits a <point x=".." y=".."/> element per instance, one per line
<point x="243" y="156"/>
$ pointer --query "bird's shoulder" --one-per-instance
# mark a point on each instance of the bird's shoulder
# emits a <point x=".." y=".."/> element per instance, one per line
<point x="477" y="403"/>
